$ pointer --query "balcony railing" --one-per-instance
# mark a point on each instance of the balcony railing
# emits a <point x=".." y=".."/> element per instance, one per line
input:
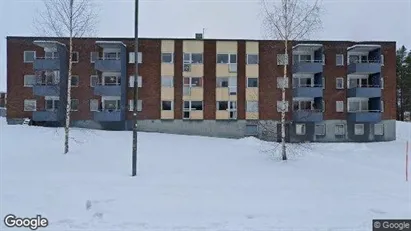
<point x="108" y="115"/>
<point x="364" y="115"/>
<point x="46" y="89"/>
<point x="308" y="115"/>
<point x="364" y="66"/>
<point x="307" y="90"/>
<point x="366" y="91"/>
<point x="46" y="63"/>
<point x="308" y="66"/>
<point x="108" y="64"/>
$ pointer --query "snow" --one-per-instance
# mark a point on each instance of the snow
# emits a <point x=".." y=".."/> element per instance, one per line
<point x="199" y="183"/>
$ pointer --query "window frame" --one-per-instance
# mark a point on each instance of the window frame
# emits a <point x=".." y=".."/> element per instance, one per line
<point x="167" y="76"/>
<point x="247" y="107"/>
<point x="171" y="105"/>
<point x="341" y="103"/>
<point x="75" y="77"/>
<point x="342" y="83"/>
<point x="229" y="61"/>
<point x="76" y="53"/>
<point x="361" y="127"/>
<point x="24" y="80"/>
<point x="302" y="129"/>
<point x="30" y="100"/>
<point x="248" y="83"/>
<point x="171" y="55"/>
<point x="71" y="104"/>
<point x="252" y="54"/>
<point x="342" y="60"/>
<point x="24" y="56"/>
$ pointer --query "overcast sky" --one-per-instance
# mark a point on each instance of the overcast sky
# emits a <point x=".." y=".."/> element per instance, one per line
<point x="342" y="20"/>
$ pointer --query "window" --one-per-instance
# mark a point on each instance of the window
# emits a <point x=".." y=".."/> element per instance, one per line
<point x="48" y="77"/>
<point x="29" y="56"/>
<point x="359" y="129"/>
<point x="74" y="80"/>
<point x="305" y="58"/>
<point x="227" y="58"/>
<point x="167" y="105"/>
<point x="74" y="104"/>
<point x="131" y="105"/>
<point x="282" y="106"/>
<point x="93" y="56"/>
<point x="382" y="106"/>
<point x="252" y="59"/>
<point x="131" y="81"/>
<point x="94" y="105"/>
<point x="167" y="57"/>
<point x="132" y="57"/>
<point x="29" y="80"/>
<point x="195" y="58"/>
<point x="167" y="81"/>
<point x="52" y="103"/>
<point x="93" y="80"/>
<point x="222" y="81"/>
<point x="378" y="129"/>
<point x="319" y="129"/>
<point x="355" y="105"/>
<point x="382" y="82"/>
<point x="339" y="106"/>
<point x="382" y="60"/>
<point x="189" y="106"/>
<point x="282" y="59"/>
<point x="110" y="103"/>
<point x="30" y="105"/>
<point x="252" y="82"/>
<point x="251" y="129"/>
<point x="339" y="60"/>
<point x="323" y="82"/>
<point x="222" y="105"/>
<point x="300" y="129"/>
<point x="193" y="81"/>
<point x="302" y="81"/>
<point x="339" y="129"/>
<point x="339" y="82"/>
<point x="303" y="105"/>
<point x="282" y="82"/>
<point x="75" y="57"/>
<point x="252" y="106"/>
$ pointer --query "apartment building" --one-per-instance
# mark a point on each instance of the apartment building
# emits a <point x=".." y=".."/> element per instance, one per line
<point x="337" y="91"/>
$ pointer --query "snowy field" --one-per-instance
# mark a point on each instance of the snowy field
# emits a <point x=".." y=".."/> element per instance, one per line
<point x="198" y="183"/>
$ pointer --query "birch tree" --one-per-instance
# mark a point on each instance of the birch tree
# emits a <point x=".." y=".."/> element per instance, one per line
<point x="290" y="20"/>
<point x="72" y="19"/>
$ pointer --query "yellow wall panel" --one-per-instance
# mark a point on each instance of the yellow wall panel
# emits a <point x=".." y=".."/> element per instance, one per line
<point x="196" y="115"/>
<point x="167" y="46"/>
<point x="167" y="115"/>
<point x="251" y="115"/>
<point x="222" y="71"/>
<point x="193" y="46"/>
<point x="251" y="47"/>
<point x="167" y="69"/>
<point x="221" y="94"/>
<point x="197" y="70"/>
<point x="196" y="94"/>
<point x="167" y="93"/>
<point x="251" y="93"/>
<point x="222" y="115"/>
<point x="233" y="97"/>
<point x="224" y="47"/>
<point x="252" y="70"/>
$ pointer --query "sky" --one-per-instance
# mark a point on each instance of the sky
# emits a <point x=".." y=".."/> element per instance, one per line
<point x="356" y="20"/>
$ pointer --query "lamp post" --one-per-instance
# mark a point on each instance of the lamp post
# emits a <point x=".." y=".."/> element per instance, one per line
<point x="134" y="153"/>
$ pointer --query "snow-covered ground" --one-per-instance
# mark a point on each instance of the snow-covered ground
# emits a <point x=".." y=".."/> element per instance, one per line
<point x="198" y="183"/>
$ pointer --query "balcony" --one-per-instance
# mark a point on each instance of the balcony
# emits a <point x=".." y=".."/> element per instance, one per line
<point x="45" y="115"/>
<point x="308" y="67"/>
<point x="308" y="91"/>
<point x="364" y="92"/>
<point x="46" y="90"/>
<point x="107" y="90"/>
<point x="308" y="116"/>
<point x="364" y="67"/>
<point x="46" y="64"/>
<point x="108" y="116"/>
<point x="108" y="65"/>
<point x="365" y="116"/>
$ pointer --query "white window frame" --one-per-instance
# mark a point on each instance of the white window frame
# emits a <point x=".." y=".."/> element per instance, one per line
<point x="132" y="57"/>
<point x="131" y="105"/>
<point x="252" y="106"/>
<point x="110" y="98"/>
<point x="305" y="101"/>
<point x="90" y="104"/>
<point x="282" y="81"/>
<point x="282" y="106"/>
<point x="341" y="79"/>
<point x="170" y="53"/>
<point x="382" y="83"/>
<point x="248" y="86"/>
<point x="339" y="106"/>
<point x="359" y="129"/>
<point x="380" y="128"/>
<point x="26" y="77"/>
<point x="258" y="59"/>
<point x="190" y="84"/>
<point x="323" y="130"/>
<point x="28" y="101"/>
<point x="336" y="130"/>
<point x="382" y="105"/>
<point x="91" y="80"/>
<point x="322" y="82"/>
<point x="342" y="59"/>
<point x="91" y="56"/>
<point x="118" y="55"/>
<point x="279" y="58"/>
<point x="131" y="80"/>
<point x="382" y="60"/>
<point x="172" y="105"/>
<point x="300" y="129"/>
<point x="167" y="76"/>
<point x="190" y="60"/>
<point x="24" y="56"/>
<point x="361" y="102"/>
<point x="359" y="82"/>
<point x="78" y="82"/>
<point x="78" y="105"/>
<point x="78" y="56"/>
<point x="298" y="79"/>
<point x="190" y="109"/>
<point x="53" y="99"/>
<point x="229" y="58"/>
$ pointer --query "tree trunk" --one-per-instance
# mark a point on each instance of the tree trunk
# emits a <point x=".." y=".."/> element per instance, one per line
<point x="68" y="107"/>
<point x="283" y="99"/>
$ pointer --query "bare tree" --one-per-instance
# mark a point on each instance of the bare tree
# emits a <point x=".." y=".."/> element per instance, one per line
<point x="72" y="19"/>
<point x="290" y="20"/>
